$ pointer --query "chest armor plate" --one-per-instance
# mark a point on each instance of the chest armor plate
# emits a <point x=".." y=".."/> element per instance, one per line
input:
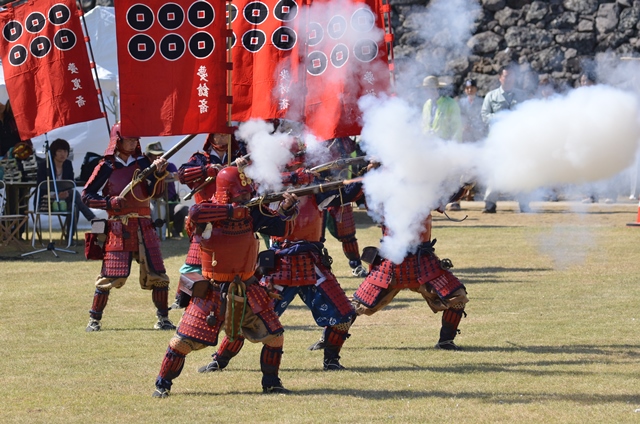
<point x="118" y="180"/>
<point x="234" y="247"/>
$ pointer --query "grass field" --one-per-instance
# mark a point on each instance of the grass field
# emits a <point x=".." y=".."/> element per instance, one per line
<point x="551" y="336"/>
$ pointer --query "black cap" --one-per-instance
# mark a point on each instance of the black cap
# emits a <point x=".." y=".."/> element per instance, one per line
<point x="470" y="83"/>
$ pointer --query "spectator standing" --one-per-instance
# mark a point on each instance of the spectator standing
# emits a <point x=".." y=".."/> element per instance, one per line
<point x="441" y="115"/>
<point x="473" y="128"/>
<point x="588" y="79"/>
<point x="505" y="97"/>
<point x="470" y="104"/>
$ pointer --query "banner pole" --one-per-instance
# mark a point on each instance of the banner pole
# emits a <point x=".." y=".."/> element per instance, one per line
<point x="388" y="37"/>
<point x="302" y="70"/>
<point x="229" y="75"/>
<point x="87" y="41"/>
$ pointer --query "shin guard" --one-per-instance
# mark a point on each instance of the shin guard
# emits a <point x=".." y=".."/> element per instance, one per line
<point x="270" y="358"/>
<point x="227" y="350"/>
<point x="351" y="250"/>
<point x="171" y="368"/>
<point x="450" y="321"/>
<point x="334" y="338"/>
<point x="160" y="296"/>
<point x="100" y="299"/>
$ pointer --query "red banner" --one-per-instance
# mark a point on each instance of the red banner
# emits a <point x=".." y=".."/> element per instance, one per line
<point x="346" y="59"/>
<point x="46" y="66"/>
<point x="265" y="59"/>
<point x="317" y="80"/>
<point x="172" y="66"/>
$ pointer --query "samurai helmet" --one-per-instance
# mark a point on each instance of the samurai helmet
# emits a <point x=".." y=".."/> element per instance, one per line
<point x="115" y="141"/>
<point x="231" y="183"/>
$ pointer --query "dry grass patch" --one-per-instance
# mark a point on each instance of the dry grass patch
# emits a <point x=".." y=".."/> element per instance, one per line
<point x="551" y="336"/>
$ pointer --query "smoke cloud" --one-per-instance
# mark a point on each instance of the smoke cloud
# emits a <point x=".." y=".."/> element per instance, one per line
<point x="270" y="152"/>
<point x="418" y="171"/>
<point x="589" y="134"/>
<point x="584" y="136"/>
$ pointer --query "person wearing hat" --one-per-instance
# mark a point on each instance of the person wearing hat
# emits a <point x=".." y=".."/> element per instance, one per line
<point x="9" y="139"/>
<point x="473" y="129"/>
<point x="177" y="212"/>
<point x="440" y="114"/>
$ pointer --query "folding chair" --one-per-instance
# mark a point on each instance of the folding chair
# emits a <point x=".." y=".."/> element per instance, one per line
<point x="67" y="214"/>
<point x="9" y="224"/>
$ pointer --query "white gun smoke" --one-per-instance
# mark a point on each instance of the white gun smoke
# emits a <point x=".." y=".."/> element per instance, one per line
<point x="270" y="152"/>
<point x="587" y="135"/>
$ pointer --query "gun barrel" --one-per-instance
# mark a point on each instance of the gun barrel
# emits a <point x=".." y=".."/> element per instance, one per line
<point x="151" y="168"/>
<point x="302" y="191"/>
<point x="339" y="163"/>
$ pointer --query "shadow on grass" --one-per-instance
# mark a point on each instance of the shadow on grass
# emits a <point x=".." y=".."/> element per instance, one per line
<point x="521" y="368"/>
<point x="312" y="328"/>
<point x="497" y="269"/>
<point x="606" y="350"/>
<point x="494" y="274"/>
<point x="104" y="330"/>
<point x="487" y="397"/>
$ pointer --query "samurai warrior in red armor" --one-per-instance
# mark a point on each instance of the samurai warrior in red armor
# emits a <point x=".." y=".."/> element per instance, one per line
<point x="340" y="220"/>
<point x="303" y="267"/>
<point x="422" y="272"/>
<point x="130" y="233"/>
<point x="201" y="166"/>
<point x="232" y="297"/>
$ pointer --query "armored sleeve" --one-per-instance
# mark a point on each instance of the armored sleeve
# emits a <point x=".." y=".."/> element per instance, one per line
<point x="194" y="171"/>
<point x="267" y="221"/>
<point x="201" y="213"/>
<point x="91" y="195"/>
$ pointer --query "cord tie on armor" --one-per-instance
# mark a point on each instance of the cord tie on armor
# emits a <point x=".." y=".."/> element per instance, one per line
<point x="125" y="218"/>
<point x="159" y="180"/>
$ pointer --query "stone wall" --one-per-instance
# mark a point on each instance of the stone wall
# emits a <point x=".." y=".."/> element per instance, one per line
<point x="555" y="38"/>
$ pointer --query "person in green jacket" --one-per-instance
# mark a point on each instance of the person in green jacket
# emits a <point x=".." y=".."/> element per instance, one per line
<point x="440" y="114"/>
